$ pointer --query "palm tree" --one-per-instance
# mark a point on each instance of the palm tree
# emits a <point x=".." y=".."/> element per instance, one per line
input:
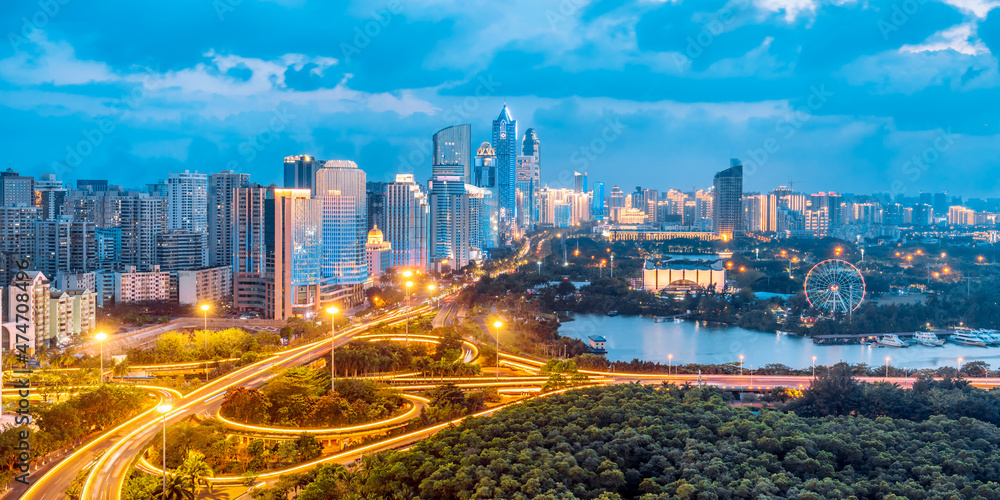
<point x="176" y="489"/>
<point x="121" y="369"/>
<point x="195" y="469"/>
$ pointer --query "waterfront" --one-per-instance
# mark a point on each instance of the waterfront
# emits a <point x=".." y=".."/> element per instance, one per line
<point x="631" y="337"/>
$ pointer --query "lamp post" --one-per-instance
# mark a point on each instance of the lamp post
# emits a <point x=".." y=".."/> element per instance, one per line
<point x="539" y="267"/>
<point x="431" y="288"/>
<point x="960" y="366"/>
<point x="332" y="311"/>
<point x="612" y="265"/>
<point x="100" y="339"/>
<point x="406" y="316"/>
<point x="670" y="364"/>
<point x="741" y="365"/>
<point x="497" y="324"/>
<point x="204" y="309"/>
<point x="814" y="367"/>
<point x="164" y="409"/>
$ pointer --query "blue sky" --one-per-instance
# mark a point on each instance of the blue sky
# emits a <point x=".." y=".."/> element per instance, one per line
<point x="855" y="96"/>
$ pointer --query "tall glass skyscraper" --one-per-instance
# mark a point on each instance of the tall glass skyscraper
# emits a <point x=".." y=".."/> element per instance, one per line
<point x="505" y="146"/>
<point x="728" y="216"/>
<point x="406" y="222"/>
<point x="453" y="151"/>
<point x="597" y="201"/>
<point x="340" y="184"/>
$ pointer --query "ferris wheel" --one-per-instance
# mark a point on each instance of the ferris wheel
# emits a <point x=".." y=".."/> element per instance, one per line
<point x="835" y="286"/>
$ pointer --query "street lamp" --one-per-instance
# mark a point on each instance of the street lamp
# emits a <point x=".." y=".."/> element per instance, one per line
<point x="332" y="311"/>
<point x="741" y="365"/>
<point x="406" y="317"/>
<point x="204" y="309"/>
<point x="960" y="365"/>
<point x="431" y="288"/>
<point x="100" y="339"/>
<point x="670" y="364"/>
<point x="497" y="324"/>
<point x="539" y="267"/>
<point x="814" y="367"/>
<point x="164" y="409"/>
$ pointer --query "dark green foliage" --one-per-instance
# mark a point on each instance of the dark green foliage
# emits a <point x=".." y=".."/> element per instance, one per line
<point x="633" y="441"/>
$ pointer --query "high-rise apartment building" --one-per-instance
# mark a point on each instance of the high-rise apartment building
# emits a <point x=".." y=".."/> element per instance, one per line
<point x="17" y="238"/>
<point x="375" y="194"/>
<point x="50" y="195"/>
<point x="187" y="201"/>
<point x="221" y="202"/>
<point x="505" y="147"/>
<point x="728" y="204"/>
<point x="253" y="263"/>
<point x="580" y="182"/>
<point x="16" y="190"/>
<point x="300" y="172"/>
<point x="407" y="221"/>
<point x="141" y="218"/>
<point x="297" y="249"/>
<point x="179" y="249"/>
<point x="616" y="203"/>
<point x="93" y="185"/>
<point x="64" y="246"/>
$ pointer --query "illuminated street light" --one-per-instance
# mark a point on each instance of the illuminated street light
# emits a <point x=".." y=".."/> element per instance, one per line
<point x="497" y="324"/>
<point x="100" y="339"/>
<point x="332" y="311"/>
<point x="814" y="367"/>
<point x="960" y="364"/>
<point x="980" y="259"/>
<point x="741" y="365"/>
<point x="164" y="409"/>
<point x="670" y="363"/>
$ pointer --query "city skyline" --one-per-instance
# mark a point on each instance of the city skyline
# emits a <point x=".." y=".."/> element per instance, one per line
<point x="676" y="98"/>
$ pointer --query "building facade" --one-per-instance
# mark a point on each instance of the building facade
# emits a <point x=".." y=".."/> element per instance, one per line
<point x="187" y="201"/>
<point x="221" y="210"/>
<point x="728" y="205"/>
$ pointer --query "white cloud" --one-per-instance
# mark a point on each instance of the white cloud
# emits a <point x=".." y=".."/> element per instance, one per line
<point x="47" y="62"/>
<point x="960" y="38"/>
<point x="978" y="7"/>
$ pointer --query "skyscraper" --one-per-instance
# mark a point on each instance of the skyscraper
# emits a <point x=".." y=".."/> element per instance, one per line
<point x="296" y="248"/>
<point x="179" y="249"/>
<point x="249" y="249"/>
<point x="505" y="144"/>
<point x="375" y="192"/>
<point x="187" y="201"/>
<point x="16" y="190"/>
<point x="300" y="172"/>
<point x="485" y="172"/>
<point x="728" y="204"/>
<point x="448" y="200"/>
<point x="580" y="182"/>
<point x="141" y="218"/>
<point x="340" y="185"/>
<point x="407" y="221"/>
<point x="616" y="203"/>
<point x="597" y="201"/>
<point x="50" y="195"/>
<point x="532" y="146"/>
<point x="221" y="191"/>
<point x="64" y="246"/>
<point x="453" y="148"/>
<point x="526" y="194"/>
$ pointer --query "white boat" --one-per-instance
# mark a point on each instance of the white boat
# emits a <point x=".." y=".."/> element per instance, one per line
<point x="891" y="340"/>
<point x="928" y="339"/>
<point x="968" y="338"/>
<point x="991" y="337"/>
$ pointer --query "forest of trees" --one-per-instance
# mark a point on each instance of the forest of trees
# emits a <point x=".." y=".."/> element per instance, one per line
<point x="181" y="346"/>
<point x="635" y="441"/>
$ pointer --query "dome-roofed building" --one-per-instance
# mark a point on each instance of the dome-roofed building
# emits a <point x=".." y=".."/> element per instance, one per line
<point x="377" y="253"/>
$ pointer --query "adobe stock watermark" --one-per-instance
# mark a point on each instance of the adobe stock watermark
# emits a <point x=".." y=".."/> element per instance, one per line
<point x="94" y="137"/>
<point x="785" y="129"/>
<point x="920" y="163"/>
<point x="420" y="152"/>
<point x="585" y="155"/>
<point x="563" y="12"/>
<point x="281" y="117"/>
<point x="31" y="26"/>
<point x="371" y="29"/>
<point x="716" y="25"/>
<point x="900" y="14"/>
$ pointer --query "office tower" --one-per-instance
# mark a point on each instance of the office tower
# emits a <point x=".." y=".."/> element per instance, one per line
<point x="728" y="204"/>
<point x="375" y="192"/>
<point x="50" y="196"/>
<point x="531" y="146"/>
<point x="940" y="203"/>
<point x="93" y="185"/>
<point x="300" y="172"/>
<point x="64" y="246"/>
<point x="377" y="253"/>
<point x="597" y="201"/>
<point x="221" y="191"/>
<point x="505" y="145"/>
<point x="253" y="265"/>
<point x="340" y="185"/>
<point x="297" y="251"/>
<point x="485" y="172"/>
<point x="180" y="249"/>
<point x="616" y="203"/>
<point x="141" y="218"/>
<point x="16" y="190"/>
<point x="108" y="248"/>
<point x="563" y="207"/>
<point x="187" y="201"/>
<point x="481" y="233"/>
<point x="580" y="182"/>
<point x="760" y="213"/>
<point x="17" y="238"/>
<point x="526" y="195"/>
<point x="453" y="148"/>
<point x="407" y="221"/>
<point x="449" y="203"/>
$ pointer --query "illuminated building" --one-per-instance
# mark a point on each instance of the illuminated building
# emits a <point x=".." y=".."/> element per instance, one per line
<point x="728" y="204"/>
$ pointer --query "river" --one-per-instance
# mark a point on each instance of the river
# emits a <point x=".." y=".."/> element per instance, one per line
<point x="631" y="337"/>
